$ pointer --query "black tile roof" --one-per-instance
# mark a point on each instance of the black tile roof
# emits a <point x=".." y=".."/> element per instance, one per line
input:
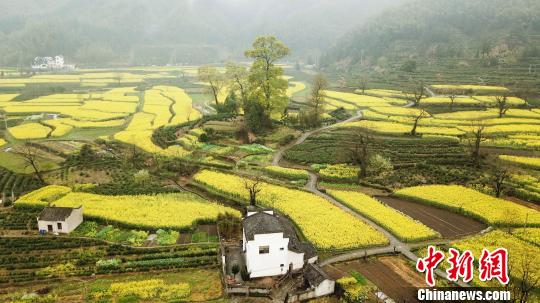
<point x="55" y="213"/>
<point x="265" y="223"/>
<point x="314" y="275"/>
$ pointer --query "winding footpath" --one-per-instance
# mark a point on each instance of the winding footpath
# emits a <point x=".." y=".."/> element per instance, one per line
<point x="279" y="154"/>
<point x="395" y="245"/>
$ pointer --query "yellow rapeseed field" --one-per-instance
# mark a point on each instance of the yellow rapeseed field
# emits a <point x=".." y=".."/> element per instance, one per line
<point x="43" y="196"/>
<point x="448" y="101"/>
<point x="464" y="200"/>
<point x="158" y="103"/>
<point x="152" y="289"/>
<point x="333" y="103"/>
<point x="357" y="100"/>
<point x="322" y="223"/>
<point x="396" y="111"/>
<point x="531" y="162"/>
<point x="519" y="252"/>
<point x="7" y="97"/>
<point x="394" y="128"/>
<point x="288" y="173"/>
<point x="385" y="93"/>
<point x="175" y="210"/>
<point x="29" y="131"/>
<point x="402" y="226"/>
<point x="295" y="87"/>
<point x="59" y="129"/>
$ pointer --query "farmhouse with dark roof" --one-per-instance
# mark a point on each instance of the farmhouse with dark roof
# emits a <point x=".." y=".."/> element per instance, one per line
<point x="59" y="219"/>
<point x="271" y="246"/>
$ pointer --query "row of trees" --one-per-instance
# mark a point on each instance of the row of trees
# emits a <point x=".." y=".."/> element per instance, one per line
<point x="260" y="91"/>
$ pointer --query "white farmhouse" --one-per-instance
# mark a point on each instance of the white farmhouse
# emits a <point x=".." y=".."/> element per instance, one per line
<point x="59" y="219"/>
<point x="271" y="246"/>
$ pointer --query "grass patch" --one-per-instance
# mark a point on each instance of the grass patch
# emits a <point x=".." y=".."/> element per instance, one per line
<point x="16" y="163"/>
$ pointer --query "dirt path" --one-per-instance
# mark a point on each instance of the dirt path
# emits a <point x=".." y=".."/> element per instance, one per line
<point x="279" y="154"/>
<point x="395" y="245"/>
<point x="430" y="92"/>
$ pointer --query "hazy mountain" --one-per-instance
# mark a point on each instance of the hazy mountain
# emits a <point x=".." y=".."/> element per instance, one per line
<point x="494" y="30"/>
<point x="168" y="31"/>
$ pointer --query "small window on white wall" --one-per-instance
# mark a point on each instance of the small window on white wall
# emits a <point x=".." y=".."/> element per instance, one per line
<point x="281" y="248"/>
<point x="264" y="249"/>
<point x="59" y="225"/>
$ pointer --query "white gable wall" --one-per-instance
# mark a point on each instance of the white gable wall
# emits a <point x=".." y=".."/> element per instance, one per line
<point x="297" y="259"/>
<point x="325" y="288"/>
<point x="264" y="265"/>
<point x="270" y="264"/>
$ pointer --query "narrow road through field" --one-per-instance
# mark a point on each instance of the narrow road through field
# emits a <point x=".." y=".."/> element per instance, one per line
<point x="430" y="92"/>
<point x="279" y="154"/>
<point x="395" y="246"/>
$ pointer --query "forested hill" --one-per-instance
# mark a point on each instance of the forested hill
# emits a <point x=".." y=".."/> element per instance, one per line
<point x="170" y="31"/>
<point x="494" y="31"/>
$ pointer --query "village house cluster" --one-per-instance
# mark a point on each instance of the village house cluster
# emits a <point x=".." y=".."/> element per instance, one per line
<point x="51" y="63"/>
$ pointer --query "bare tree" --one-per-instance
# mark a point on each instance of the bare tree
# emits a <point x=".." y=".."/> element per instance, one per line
<point x="316" y="100"/>
<point x="359" y="152"/>
<point x="418" y="93"/>
<point x="363" y="83"/>
<point x="253" y="186"/>
<point x="31" y="159"/>
<point x="499" y="176"/>
<point x="475" y="137"/>
<point x="238" y="77"/>
<point x="421" y="115"/>
<point x="320" y="84"/>
<point x="342" y="82"/>
<point x="214" y="79"/>
<point x="452" y="98"/>
<point x="502" y="105"/>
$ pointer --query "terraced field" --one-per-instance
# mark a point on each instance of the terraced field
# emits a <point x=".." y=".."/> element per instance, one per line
<point x="447" y="223"/>
<point x="308" y="211"/>
<point x="483" y="207"/>
<point x="163" y="105"/>
<point x="402" y="226"/>
<point x="179" y="210"/>
<point x="328" y="147"/>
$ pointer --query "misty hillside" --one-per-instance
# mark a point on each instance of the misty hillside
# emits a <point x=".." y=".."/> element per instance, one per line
<point x="497" y="31"/>
<point x="168" y="31"/>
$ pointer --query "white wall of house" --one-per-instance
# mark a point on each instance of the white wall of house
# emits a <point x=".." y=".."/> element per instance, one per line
<point x="273" y="263"/>
<point x="67" y="226"/>
<point x="297" y="259"/>
<point x="313" y="259"/>
<point x="325" y="288"/>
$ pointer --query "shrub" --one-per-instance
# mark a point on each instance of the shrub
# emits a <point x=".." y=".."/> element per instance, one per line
<point x="108" y="264"/>
<point x="379" y="164"/>
<point x="167" y="237"/>
<point x="353" y="290"/>
<point x="286" y="139"/>
<point x="86" y="229"/>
